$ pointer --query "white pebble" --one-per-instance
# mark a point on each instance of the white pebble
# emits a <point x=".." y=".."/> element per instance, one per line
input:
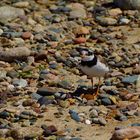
<point x="124" y="21"/>
<point x="87" y="122"/>
<point x="1" y="31"/>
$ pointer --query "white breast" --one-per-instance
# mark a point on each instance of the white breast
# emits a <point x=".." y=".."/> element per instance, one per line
<point x="99" y="70"/>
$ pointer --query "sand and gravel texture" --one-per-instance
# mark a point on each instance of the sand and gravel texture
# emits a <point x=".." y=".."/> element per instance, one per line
<point x="43" y="93"/>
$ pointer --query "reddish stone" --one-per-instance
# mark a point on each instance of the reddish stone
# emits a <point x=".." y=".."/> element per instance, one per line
<point x="126" y="133"/>
<point x="26" y="35"/>
<point x="80" y="40"/>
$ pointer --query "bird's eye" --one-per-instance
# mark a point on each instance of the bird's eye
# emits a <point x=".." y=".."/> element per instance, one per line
<point x="90" y="53"/>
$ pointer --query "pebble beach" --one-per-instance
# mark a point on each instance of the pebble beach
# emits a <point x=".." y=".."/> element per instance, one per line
<point x="43" y="93"/>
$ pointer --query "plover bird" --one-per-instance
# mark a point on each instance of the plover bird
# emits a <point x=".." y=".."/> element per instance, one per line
<point x="93" y="67"/>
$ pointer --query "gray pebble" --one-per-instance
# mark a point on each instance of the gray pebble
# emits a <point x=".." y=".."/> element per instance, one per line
<point x="106" y="101"/>
<point x="20" y="82"/>
<point x="130" y="79"/>
<point x="35" y="96"/>
<point x="93" y="113"/>
<point x="102" y="121"/>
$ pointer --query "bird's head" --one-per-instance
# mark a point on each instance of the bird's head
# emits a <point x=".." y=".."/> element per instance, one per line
<point x="87" y="55"/>
<point x="84" y="51"/>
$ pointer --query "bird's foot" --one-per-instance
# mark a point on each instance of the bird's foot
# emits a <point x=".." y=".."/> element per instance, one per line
<point x="88" y="96"/>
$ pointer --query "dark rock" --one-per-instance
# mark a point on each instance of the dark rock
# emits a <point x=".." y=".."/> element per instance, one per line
<point x="4" y="114"/>
<point x="46" y="91"/>
<point x="75" y="138"/>
<point x="121" y="117"/>
<point x="45" y="100"/>
<point x="128" y="4"/>
<point x="135" y="124"/>
<point x="48" y="130"/>
<point x="106" y="101"/>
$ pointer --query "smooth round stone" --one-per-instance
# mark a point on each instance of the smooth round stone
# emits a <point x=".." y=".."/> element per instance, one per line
<point x="16" y="34"/>
<point x="122" y="118"/>
<point x="95" y="120"/>
<point x="1" y="31"/>
<point x="91" y="102"/>
<point x="63" y="96"/>
<point x="81" y="13"/>
<point x="106" y="101"/>
<point x="128" y="4"/>
<point x="53" y="66"/>
<point x="87" y="122"/>
<point x="130" y="113"/>
<point x="74" y="115"/>
<point x="26" y="35"/>
<point x="65" y="9"/>
<point x="45" y="100"/>
<point x="102" y="121"/>
<point x="54" y="8"/>
<point x="80" y="40"/>
<point x="45" y="91"/>
<point x="19" y="41"/>
<point x="12" y="74"/>
<point x="20" y="82"/>
<point x="81" y="30"/>
<point x="65" y="84"/>
<point x="130" y="79"/>
<point x="115" y="12"/>
<point x="56" y="20"/>
<point x="21" y="4"/>
<point x="106" y="21"/>
<point x="93" y="114"/>
<point x="9" y="13"/>
<point x="135" y="124"/>
<point x="124" y="21"/>
<point x="4" y="114"/>
<point x="29" y="113"/>
<point x="75" y="138"/>
<point x="137" y="113"/>
<point x="57" y="95"/>
<point x="132" y="106"/>
<point x="2" y="74"/>
<point x="31" y="22"/>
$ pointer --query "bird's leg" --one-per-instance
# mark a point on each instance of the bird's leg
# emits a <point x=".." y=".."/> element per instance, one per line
<point x="97" y="92"/>
<point x="92" y="82"/>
